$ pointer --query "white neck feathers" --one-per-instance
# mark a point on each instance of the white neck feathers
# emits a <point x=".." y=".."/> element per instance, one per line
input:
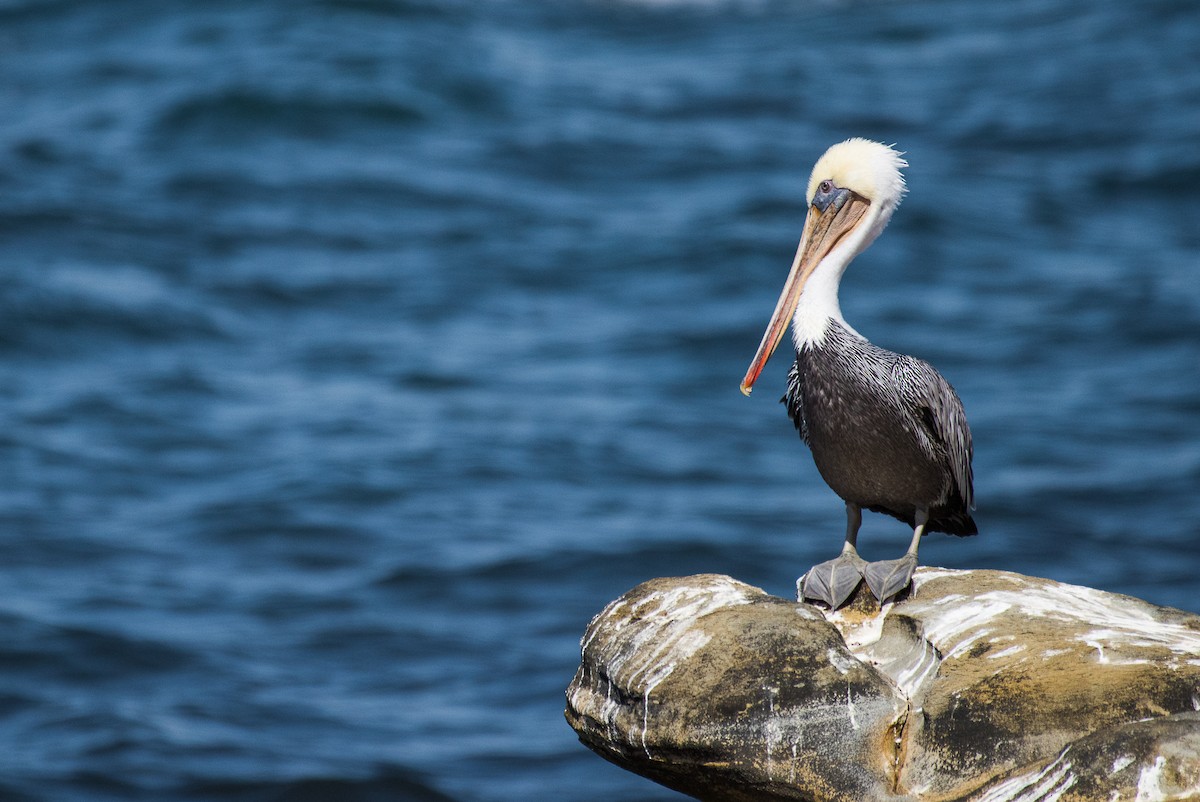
<point x="819" y="301"/>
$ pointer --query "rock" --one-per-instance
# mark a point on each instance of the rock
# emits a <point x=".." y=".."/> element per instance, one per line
<point x="981" y="686"/>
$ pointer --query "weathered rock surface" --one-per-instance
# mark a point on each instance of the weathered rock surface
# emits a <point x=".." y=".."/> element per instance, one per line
<point x="982" y="686"/>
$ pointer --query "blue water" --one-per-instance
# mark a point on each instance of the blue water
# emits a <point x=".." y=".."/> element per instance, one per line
<point x="353" y="353"/>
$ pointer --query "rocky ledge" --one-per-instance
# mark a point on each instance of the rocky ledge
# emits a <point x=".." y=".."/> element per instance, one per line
<point x="981" y="686"/>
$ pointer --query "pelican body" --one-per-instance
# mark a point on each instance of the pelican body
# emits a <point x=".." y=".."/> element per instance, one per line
<point x="886" y="431"/>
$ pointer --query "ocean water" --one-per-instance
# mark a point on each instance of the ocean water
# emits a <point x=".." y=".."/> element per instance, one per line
<point x="355" y="352"/>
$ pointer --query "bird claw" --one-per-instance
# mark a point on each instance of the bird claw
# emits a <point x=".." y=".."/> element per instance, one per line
<point x="833" y="581"/>
<point x="889" y="577"/>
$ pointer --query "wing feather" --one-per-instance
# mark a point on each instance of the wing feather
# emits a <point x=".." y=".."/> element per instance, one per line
<point x="932" y="397"/>
<point x="794" y="400"/>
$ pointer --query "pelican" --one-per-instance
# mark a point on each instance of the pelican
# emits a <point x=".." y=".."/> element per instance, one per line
<point x="886" y="431"/>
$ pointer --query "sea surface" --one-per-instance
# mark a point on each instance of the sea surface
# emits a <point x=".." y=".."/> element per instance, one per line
<point x="354" y="353"/>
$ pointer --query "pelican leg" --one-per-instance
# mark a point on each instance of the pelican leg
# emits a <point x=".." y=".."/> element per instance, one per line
<point x="888" y="577"/>
<point x="834" y="581"/>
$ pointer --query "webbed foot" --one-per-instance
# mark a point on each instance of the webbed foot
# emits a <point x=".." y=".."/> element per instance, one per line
<point x="889" y="577"/>
<point x="833" y="581"/>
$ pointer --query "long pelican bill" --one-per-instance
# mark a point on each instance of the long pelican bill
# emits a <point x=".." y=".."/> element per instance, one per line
<point x="823" y="230"/>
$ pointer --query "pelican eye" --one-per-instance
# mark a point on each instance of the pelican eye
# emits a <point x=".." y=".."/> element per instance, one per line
<point x="825" y="194"/>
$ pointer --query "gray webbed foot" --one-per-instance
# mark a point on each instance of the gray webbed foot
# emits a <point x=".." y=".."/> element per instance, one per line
<point x="890" y="577"/>
<point x="833" y="581"/>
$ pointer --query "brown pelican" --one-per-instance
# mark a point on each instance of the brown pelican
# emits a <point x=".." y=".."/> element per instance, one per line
<point x="886" y="431"/>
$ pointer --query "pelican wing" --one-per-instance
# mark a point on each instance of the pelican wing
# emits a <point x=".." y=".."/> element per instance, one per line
<point x="794" y="401"/>
<point x="939" y="407"/>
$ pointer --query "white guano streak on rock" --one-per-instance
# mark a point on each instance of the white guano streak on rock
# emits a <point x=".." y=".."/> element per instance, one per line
<point x="858" y="634"/>
<point x="774" y="735"/>
<point x="926" y="574"/>
<point x="668" y="620"/>
<point x="861" y="634"/>
<point x="1127" y="622"/>
<point x="842" y="663"/>
<point x="1120" y="763"/>
<point x="911" y="676"/>
<point x="1149" y="787"/>
<point x="958" y="622"/>
<point x="609" y="611"/>
<point x="1046" y="785"/>
<point x="816" y="728"/>
<point x="671" y="624"/>
<point x="1009" y="652"/>
<point x="1099" y="647"/>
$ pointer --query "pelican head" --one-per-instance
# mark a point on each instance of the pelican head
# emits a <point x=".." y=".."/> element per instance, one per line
<point x="853" y="190"/>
